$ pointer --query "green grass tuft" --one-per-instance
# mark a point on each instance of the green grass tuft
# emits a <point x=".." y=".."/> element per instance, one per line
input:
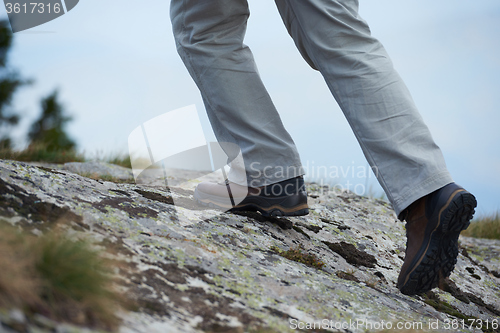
<point x="484" y="227"/>
<point x="63" y="279"/>
<point x="121" y="159"/>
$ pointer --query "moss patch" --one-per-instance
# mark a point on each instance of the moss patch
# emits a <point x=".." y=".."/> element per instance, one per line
<point x="431" y="299"/>
<point x="352" y="255"/>
<point x="450" y="287"/>
<point x="297" y="254"/>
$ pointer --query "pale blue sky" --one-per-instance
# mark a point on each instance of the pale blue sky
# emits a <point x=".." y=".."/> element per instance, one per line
<point x="116" y="66"/>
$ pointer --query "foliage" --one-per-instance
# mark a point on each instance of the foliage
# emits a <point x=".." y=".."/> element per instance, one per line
<point x="10" y="81"/>
<point x="49" y="130"/>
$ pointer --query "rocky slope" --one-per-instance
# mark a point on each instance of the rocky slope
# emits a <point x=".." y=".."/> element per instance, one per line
<point x="189" y="269"/>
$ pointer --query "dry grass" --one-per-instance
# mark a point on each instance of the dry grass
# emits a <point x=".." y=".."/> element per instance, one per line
<point x="485" y="227"/>
<point x="63" y="279"/>
<point x="121" y="160"/>
<point x="18" y="282"/>
<point x="39" y="153"/>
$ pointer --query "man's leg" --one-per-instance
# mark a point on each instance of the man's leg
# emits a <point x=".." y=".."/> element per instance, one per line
<point x="398" y="145"/>
<point x="209" y="37"/>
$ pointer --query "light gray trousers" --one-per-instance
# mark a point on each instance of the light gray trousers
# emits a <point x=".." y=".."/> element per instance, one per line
<point x="333" y="39"/>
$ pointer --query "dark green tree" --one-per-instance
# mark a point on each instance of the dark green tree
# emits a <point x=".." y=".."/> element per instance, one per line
<point x="48" y="130"/>
<point x="10" y="81"/>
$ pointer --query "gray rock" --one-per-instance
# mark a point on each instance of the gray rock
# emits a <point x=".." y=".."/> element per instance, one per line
<point x="190" y="269"/>
<point x="98" y="168"/>
<point x="18" y="316"/>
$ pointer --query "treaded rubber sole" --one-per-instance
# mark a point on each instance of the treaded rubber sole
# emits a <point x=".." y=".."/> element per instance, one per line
<point x="273" y="211"/>
<point x="441" y="256"/>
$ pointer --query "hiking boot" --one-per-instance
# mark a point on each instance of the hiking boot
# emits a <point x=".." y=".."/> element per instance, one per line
<point x="434" y="223"/>
<point x="286" y="198"/>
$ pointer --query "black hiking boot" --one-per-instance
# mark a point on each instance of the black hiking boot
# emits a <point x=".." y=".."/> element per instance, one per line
<point x="286" y="198"/>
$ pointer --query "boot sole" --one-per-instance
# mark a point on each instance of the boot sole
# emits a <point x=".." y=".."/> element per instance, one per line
<point x="441" y="247"/>
<point x="275" y="210"/>
<point x="274" y="207"/>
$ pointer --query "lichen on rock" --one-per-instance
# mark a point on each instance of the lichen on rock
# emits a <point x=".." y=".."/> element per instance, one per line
<point x="188" y="269"/>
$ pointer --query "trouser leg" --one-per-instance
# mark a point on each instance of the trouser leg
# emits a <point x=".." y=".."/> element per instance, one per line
<point x="398" y="145"/>
<point x="209" y="37"/>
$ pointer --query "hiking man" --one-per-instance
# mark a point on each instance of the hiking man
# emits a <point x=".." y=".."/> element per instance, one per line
<point x="335" y="40"/>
